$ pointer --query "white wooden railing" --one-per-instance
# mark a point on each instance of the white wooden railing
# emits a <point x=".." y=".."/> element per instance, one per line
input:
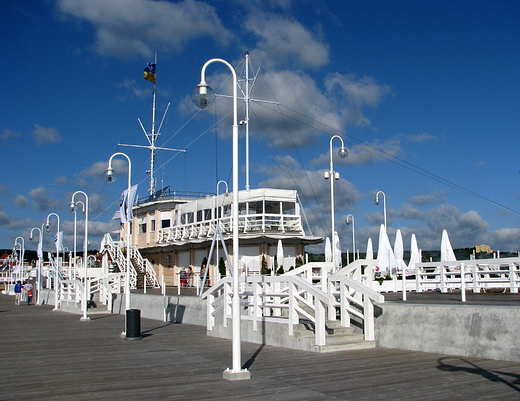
<point x="70" y="291"/>
<point x="144" y="266"/>
<point x="247" y="223"/>
<point x="117" y="257"/>
<point x="355" y="299"/>
<point x="479" y="275"/>
<point x="278" y="299"/>
<point x="107" y="285"/>
<point x="351" y="287"/>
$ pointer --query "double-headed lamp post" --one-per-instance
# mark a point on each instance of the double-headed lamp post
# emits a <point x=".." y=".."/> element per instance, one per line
<point x="351" y="217"/>
<point x="40" y="260"/>
<point x="86" y="287"/>
<point x="334" y="176"/>
<point x="57" y="241"/>
<point x="111" y="177"/>
<point x="203" y="96"/>
<point x="384" y="204"/>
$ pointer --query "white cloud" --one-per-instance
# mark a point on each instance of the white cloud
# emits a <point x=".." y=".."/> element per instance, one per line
<point x="98" y="169"/>
<point x="8" y="134"/>
<point x="135" y="27"/>
<point x="42" y="200"/>
<point x="44" y="135"/>
<point x="356" y="93"/>
<point x="21" y="201"/>
<point x="286" y="41"/>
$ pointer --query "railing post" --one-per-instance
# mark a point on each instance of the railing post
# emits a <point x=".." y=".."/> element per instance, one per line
<point x="475" y="279"/>
<point x="513" y="288"/>
<point x="404" y="283"/>
<point x="210" y="319"/>
<point x="462" y="282"/>
<point x="344" y="315"/>
<point x="291" y="308"/>
<point x="320" y="322"/>
<point x="443" y="278"/>
<point x="368" y="314"/>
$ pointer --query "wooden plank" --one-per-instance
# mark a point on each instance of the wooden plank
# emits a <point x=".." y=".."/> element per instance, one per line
<point x="53" y="355"/>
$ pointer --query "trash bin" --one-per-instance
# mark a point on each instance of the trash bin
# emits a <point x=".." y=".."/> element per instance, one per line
<point x="133" y="324"/>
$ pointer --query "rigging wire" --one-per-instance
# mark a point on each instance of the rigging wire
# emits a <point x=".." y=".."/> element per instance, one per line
<point x="391" y="158"/>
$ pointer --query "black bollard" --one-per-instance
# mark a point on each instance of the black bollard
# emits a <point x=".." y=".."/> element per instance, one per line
<point x="133" y="324"/>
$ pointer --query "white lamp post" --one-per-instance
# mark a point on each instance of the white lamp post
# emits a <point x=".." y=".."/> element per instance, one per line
<point x="384" y="204"/>
<point x="40" y="261"/>
<point x="335" y="176"/>
<point x="86" y="287"/>
<point x="203" y="96"/>
<point x="74" y="210"/>
<point x="57" y="270"/>
<point x="111" y="177"/>
<point x="22" y="253"/>
<point x="350" y="216"/>
<point x="218" y="219"/>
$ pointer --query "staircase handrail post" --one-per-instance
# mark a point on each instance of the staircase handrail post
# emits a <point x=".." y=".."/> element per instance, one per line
<point x="368" y="318"/>
<point x="319" y="325"/>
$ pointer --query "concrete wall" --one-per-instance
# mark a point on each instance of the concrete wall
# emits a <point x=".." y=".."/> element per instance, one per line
<point x="171" y="308"/>
<point x="476" y="331"/>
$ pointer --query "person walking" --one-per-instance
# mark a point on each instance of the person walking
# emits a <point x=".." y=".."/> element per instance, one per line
<point x="18" y="292"/>
<point x="28" y="288"/>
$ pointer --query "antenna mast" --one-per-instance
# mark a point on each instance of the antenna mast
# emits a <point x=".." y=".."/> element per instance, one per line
<point x="153" y="135"/>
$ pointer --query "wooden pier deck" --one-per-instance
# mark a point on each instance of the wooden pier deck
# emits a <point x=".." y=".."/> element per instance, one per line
<point x="48" y="355"/>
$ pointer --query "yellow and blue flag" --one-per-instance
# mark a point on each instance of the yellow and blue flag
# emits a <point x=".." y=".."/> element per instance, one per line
<point x="149" y="72"/>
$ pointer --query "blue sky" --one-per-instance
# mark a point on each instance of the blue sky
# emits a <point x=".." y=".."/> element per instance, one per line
<point x="424" y="93"/>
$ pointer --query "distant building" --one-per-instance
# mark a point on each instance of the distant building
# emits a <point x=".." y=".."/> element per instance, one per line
<point x="483" y="248"/>
<point x="175" y="232"/>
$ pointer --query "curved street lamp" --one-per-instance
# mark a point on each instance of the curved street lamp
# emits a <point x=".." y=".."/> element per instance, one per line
<point x="347" y="222"/>
<point x="110" y="177"/>
<point x="384" y="204"/>
<point x="74" y="210"/>
<point x="22" y="253"/>
<point x="218" y="220"/>
<point x="203" y="96"/>
<point x="40" y="261"/>
<point x="86" y="287"/>
<point x="57" y="241"/>
<point x="335" y="176"/>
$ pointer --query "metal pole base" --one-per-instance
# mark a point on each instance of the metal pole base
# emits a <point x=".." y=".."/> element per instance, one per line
<point x="243" y="374"/>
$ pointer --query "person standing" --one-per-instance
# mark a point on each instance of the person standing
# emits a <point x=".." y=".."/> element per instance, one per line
<point x="18" y="292"/>
<point x="28" y="288"/>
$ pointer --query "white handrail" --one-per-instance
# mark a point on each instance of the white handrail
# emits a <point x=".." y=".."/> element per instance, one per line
<point x="267" y="296"/>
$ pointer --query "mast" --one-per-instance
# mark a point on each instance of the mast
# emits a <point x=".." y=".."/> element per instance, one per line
<point x="246" y="92"/>
<point x="246" y="99"/>
<point x="153" y="135"/>
<point x="153" y="139"/>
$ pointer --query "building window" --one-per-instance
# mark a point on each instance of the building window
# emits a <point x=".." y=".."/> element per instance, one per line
<point x="288" y="208"/>
<point x="187" y="218"/>
<point x="152" y="225"/>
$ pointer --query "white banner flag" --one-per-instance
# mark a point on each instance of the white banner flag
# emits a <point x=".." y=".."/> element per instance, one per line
<point x="127" y="201"/>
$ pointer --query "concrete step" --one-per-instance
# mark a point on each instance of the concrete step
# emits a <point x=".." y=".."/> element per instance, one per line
<point x="338" y="338"/>
<point x="345" y="346"/>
